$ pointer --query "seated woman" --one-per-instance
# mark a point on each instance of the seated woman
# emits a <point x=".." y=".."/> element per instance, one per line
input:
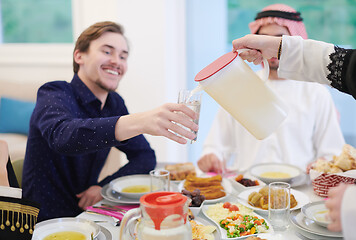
<point x="18" y="215"/>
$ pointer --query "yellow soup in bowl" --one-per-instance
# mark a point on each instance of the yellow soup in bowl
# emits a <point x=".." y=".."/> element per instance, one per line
<point x="136" y="189"/>
<point x="275" y="175"/>
<point x="66" y="235"/>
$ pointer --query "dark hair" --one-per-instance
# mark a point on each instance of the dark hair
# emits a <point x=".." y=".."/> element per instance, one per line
<point x="92" y="33"/>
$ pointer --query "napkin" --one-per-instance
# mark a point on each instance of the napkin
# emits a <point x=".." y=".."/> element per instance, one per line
<point x="116" y="214"/>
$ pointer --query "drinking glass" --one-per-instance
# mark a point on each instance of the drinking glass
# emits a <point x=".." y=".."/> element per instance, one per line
<point x="159" y="180"/>
<point x="279" y="205"/>
<point x="192" y="99"/>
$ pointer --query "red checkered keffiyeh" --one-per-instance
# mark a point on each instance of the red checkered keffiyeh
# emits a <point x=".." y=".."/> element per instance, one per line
<point x="282" y="15"/>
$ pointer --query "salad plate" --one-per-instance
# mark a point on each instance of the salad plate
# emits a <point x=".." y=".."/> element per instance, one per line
<point x="265" y="227"/>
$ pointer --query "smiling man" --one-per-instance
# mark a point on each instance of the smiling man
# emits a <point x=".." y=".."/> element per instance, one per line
<point x="75" y="124"/>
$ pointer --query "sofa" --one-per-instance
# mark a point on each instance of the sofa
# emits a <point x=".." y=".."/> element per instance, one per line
<point x="19" y="98"/>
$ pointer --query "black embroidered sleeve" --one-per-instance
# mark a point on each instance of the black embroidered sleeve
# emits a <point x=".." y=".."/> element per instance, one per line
<point x="339" y="68"/>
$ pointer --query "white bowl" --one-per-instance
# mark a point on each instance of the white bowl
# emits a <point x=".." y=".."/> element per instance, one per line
<point x="277" y="169"/>
<point x="317" y="212"/>
<point x="239" y="187"/>
<point x="45" y="228"/>
<point x="196" y="210"/>
<point x="119" y="184"/>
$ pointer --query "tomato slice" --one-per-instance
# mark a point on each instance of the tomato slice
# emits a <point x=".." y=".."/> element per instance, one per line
<point x="226" y="205"/>
<point x="233" y="208"/>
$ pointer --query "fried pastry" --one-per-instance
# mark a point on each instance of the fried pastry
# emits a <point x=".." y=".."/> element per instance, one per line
<point x="180" y="171"/>
<point x="210" y="187"/>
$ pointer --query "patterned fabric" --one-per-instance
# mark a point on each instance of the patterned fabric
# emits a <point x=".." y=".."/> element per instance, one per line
<point x="337" y="67"/>
<point x="18" y="218"/>
<point x="69" y="140"/>
<point x="325" y="181"/>
<point x="296" y="28"/>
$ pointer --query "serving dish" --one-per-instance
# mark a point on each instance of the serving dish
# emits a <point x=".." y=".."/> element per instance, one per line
<point x="216" y="234"/>
<point x="223" y="232"/>
<point x="240" y="187"/>
<point x="141" y="182"/>
<point x="86" y="227"/>
<point x="317" y="212"/>
<point x="300" y="197"/>
<point x="279" y="172"/>
<point x="226" y="185"/>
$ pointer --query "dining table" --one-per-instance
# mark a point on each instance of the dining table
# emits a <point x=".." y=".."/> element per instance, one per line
<point x="292" y="232"/>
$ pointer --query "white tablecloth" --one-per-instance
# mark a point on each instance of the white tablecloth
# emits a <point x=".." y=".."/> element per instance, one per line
<point x="290" y="234"/>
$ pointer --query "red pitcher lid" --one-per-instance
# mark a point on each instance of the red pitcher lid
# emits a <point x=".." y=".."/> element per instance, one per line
<point x="159" y="205"/>
<point x="216" y="66"/>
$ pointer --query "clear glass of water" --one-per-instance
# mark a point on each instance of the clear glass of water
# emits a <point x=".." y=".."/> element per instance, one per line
<point x="160" y="180"/>
<point x="192" y="99"/>
<point x="279" y="205"/>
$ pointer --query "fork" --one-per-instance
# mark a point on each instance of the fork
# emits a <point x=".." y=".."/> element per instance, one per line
<point x="111" y="209"/>
<point x="116" y="221"/>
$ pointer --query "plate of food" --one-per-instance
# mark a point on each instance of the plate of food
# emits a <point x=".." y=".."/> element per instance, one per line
<point x="66" y="228"/>
<point x="236" y="221"/>
<point x="275" y="172"/>
<point x="215" y="189"/>
<point x="203" y="229"/>
<point x="317" y="212"/>
<point x="241" y="182"/>
<point x="132" y="186"/>
<point x="257" y="199"/>
<point x="178" y="172"/>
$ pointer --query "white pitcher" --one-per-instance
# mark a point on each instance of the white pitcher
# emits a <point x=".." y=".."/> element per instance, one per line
<point x="236" y="87"/>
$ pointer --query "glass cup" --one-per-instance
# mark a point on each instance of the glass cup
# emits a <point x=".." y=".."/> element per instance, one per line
<point x="191" y="99"/>
<point x="279" y="205"/>
<point x="159" y="180"/>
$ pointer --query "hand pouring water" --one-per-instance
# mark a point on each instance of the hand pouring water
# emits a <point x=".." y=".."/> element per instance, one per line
<point x="234" y="85"/>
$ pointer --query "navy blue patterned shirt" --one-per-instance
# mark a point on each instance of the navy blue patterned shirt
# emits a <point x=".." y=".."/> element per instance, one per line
<point x="69" y="140"/>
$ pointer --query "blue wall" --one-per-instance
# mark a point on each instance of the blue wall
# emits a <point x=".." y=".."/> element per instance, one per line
<point x="206" y="41"/>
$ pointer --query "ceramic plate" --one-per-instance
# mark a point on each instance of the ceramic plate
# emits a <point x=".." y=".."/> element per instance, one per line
<point x="239" y="187"/>
<point x="141" y="180"/>
<point x="301" y="198"/>
<point x="317" y="212"/>
<point x="305" y="224"/>
<point x="277" y="168"/>
<point x="223" y="232"/>
<point x="104" y="234"/>
<point x="204" y="222"/>
<point x="48" y="227"/>
<point x="302" y="179"/>
<point x="226" y="185"/>
<point x="109" y="194"/>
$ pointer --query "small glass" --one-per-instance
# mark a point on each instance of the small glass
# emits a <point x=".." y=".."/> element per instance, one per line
<point x="192" y="99"/>
<point x="160" y="180"/>
<point x="279" y="205"/>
